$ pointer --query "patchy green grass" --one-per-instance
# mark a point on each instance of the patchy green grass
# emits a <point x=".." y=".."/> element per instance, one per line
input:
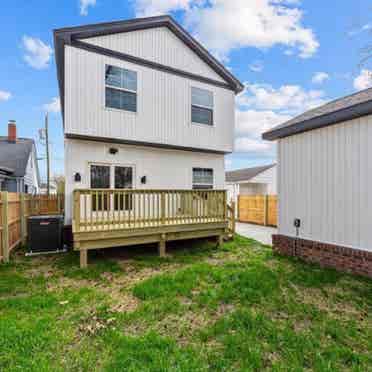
<point x="239" y="307"/>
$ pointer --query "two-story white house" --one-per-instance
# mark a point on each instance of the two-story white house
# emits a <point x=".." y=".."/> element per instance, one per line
<point x="144" y="106"/>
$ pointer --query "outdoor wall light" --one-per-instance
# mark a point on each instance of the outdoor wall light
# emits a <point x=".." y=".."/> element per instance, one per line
<point x="143" y="180"/>
<point x="113" y="150"/>
<point x="77" y="177"/>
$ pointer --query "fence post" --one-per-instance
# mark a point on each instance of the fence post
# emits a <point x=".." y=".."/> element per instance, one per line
<point x="23" y="218"/>
<point x="4" y="219"/>
<point x="266" y="209"/>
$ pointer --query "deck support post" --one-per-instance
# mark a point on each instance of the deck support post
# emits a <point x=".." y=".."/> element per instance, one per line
<point x="219" y="241"/>
<point x="162" y="246"/>
<point x="83" y="258"/>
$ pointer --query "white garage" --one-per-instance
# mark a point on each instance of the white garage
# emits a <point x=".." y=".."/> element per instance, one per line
<point x="325" y="183"/>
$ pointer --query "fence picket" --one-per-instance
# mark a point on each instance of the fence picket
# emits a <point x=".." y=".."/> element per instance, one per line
<point x="15" y="208"/>
<point x="258" y="209"/>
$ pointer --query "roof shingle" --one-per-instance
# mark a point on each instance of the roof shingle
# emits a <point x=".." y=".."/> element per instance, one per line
<point x="14" y="156"/>
<point x="337" y="111"/>
<point x="246" y="174"/>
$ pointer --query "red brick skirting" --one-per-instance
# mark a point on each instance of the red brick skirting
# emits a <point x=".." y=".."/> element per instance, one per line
<point x="350" y="260"/>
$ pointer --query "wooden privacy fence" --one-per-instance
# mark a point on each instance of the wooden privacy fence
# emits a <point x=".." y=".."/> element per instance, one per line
<point x="15" y="208"/>
<point x="258" y="209"/>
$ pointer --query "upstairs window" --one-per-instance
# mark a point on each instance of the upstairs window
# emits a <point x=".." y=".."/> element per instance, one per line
<point x="121" y="88"/>
<point x="201" y="106"/>
<point x="202" y="178"/>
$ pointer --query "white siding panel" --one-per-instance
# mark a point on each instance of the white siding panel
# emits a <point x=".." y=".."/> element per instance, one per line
<point x="157" y="45"/>
<point x="164" y="106"/>
<point x="30" y="178"/>
<point x="268" y="177"/>
<point x="325" y="176"/>
<point x="164" y="169"/>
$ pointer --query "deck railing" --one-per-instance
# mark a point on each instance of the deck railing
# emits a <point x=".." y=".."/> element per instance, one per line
<point x="108" y="209"/>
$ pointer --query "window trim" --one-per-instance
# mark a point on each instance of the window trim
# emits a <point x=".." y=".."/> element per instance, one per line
<point x="201" y="183"/>
<point x="119" y="89"/>
<point x="212" y="125"/>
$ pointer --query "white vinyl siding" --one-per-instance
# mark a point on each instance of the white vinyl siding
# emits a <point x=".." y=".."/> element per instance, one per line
<point x="157" y="45"/>
<point x="164" y="169"/>
<point x="31" y="178"/>
<point x="163" y="106"/>
<point x="324" y="179"/>
<point x="269" y="179"/>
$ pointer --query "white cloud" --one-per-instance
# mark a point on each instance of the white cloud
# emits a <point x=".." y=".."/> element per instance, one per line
<point x="145" y="8"/>
<point x="224" y="25"/>
<point x="253" y="123"/>
<point x="319" y="77"/>
<point x="287" y="98"/>
<point x="253" y="146"/>
<point x="5" y="96"/>
<point x="363" y="80"/>
<point x="38" y="54"/>
<point x="358" y="30"/>
<point x="53" y="106"/>
<point x="256" y="66"/>
<point x="84" y="5"/>
<point x="250" y="125"/>
<point x="262" y="107"/>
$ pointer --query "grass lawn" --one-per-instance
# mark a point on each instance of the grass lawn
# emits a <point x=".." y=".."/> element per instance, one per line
<point x="239" y="307"/>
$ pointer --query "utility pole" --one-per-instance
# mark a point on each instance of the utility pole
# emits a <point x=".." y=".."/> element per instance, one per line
<point x="47" y="152"/>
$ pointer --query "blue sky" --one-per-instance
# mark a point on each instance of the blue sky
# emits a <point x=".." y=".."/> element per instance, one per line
<point x="292" y="55"/>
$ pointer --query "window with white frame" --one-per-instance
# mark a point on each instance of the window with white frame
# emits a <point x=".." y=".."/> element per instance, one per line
<point x="202" y="178"/>
<point x="114" y="177"/>
<point x="201" y="106"/>
<point x="120" y="88"/>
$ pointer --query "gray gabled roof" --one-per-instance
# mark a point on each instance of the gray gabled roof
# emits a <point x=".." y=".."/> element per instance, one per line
<point x="246" y="174"/>
<point x="342" y="109"/>
<point x="75" y="35"/>
<point x="14" y="156"/>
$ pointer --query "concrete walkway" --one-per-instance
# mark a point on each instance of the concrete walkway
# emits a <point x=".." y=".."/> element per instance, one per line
<point x="260" y="233"/>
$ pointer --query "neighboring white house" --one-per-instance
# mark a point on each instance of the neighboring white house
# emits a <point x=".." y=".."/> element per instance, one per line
<point x="144" y="106"/>
<point x="19" y="170"/>
<point x="251" y="181"/>
<point x="325" y="183"/>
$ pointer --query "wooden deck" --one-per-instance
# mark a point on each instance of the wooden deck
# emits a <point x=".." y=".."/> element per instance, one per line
<point x="110" y="218"/>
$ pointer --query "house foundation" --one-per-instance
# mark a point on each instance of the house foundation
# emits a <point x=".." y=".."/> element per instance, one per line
<point x="350" y="260"/>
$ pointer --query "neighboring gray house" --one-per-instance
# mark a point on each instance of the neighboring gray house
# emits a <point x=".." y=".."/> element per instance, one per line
<point x="18" y="163"/>
<point x="251" y="181"/>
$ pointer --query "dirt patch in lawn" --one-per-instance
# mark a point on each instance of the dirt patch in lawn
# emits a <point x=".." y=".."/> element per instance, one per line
<point x="182" y="327"/>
